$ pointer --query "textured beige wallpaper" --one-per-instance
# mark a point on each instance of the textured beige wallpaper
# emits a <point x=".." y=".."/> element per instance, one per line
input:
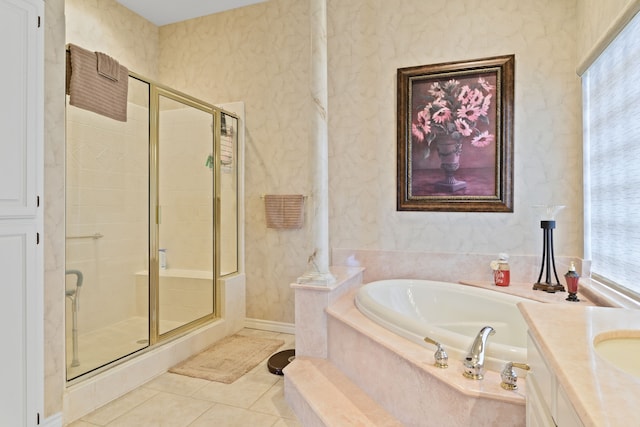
<point x="107" y="26"/>
<point x="369" y="40"/>
<point x="260" y="55"/>
<point x="594" y="19"/>
<point x="54" y="145"/>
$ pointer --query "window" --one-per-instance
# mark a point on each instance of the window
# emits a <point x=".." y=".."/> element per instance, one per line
<point x="611" y="114"/>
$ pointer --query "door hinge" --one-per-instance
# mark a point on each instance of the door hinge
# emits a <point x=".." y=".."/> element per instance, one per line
<point x="38" y="21"/>
<point x="37" y="238"/>
<point x="37" y="201"/>
<point x="38" y="418"/>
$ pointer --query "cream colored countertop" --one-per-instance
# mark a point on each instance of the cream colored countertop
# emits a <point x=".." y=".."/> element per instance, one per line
<point x="601" y="394"/>
<point x="525" y="290"/>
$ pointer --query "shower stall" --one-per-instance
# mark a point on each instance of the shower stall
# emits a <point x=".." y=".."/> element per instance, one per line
<point x="151" y="223"/>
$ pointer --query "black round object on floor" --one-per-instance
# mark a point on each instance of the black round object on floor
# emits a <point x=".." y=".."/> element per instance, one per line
<point x="279" y="360"/>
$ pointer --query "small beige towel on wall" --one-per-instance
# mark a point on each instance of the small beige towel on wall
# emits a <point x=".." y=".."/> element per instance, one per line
<point x="104" y="90"/>
<point x="284" y="211"/>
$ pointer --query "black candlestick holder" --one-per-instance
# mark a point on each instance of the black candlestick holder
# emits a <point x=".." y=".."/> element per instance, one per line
<point x="548" y="261"/>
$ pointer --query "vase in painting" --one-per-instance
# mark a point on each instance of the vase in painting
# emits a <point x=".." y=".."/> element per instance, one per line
<point x="449" y="151"/>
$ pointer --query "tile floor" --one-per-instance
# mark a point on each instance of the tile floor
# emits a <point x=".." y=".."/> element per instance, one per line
<point x="171" y="400"/>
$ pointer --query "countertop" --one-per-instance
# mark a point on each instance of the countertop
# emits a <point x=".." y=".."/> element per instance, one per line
<point x="525" y="290"/>
<point x="601" y="394"/>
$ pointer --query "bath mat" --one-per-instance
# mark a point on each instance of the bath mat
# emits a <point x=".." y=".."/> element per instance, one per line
<point x="228" y="359"/>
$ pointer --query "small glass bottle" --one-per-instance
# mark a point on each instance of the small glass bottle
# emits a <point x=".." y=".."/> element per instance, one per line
<point x="501" y="270"/>
<point x="572" y="279"/>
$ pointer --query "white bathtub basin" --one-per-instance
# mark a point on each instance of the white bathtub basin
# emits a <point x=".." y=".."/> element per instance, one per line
<point x="449" y="313"/>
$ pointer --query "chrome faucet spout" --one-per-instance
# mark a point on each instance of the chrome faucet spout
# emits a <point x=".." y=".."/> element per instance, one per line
<point x="474" y="362"/>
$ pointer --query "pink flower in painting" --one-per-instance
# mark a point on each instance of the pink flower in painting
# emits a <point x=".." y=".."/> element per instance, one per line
<point x="440" y="102"/>
<point x="484" y="110"/>
<point x="437" y="90"/>
<point x="442" y="115"/>
<point x="486" y="85"/>
<point x="417" y="133"/>
<point x="482" y="140"/>
<point x="469" y="112"/>
<point x="463" y="127"/>
<point x="451" y="84"/>
<point x="464" y="93"/>
<point x="454" y="109"/>
<point x="476" y="97"/>
<point x="423" y="121"/>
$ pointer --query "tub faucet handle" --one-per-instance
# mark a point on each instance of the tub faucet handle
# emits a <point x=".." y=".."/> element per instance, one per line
<point x="509" y="376"/>
<point x="441" y="357"/>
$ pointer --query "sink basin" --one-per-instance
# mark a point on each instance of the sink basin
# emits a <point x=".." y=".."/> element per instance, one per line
<point x="620" y="348"/>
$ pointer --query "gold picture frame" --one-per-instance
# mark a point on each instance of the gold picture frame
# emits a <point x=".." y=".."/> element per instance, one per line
<point x="455" y="136"/>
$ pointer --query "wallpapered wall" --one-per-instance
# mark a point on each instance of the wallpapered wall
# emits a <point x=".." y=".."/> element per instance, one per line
<point x="259" y="55"/>
<point x="594" y="19"/>
<point x="547" y="150"/>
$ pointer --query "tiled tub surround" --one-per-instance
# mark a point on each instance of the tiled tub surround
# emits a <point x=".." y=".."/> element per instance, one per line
<point x="400" y="376"/>
<point x="601" y="394"/>
<point x="310" y="312"/>
<point x="445" y="266"/>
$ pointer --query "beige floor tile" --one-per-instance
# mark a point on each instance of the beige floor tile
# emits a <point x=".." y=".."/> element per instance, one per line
<point x="118" y="407"/>
<point x="163" y="410"/>
<point x="81" y="423"/>
<point x="272" y="402"/>
<point x="262" y="370"/>
<point x="286" y="422"/>
<point x="177" y="384"/>
<point x="229" y="416"/>
<point x="241" y="393"/>
<point x="289" y="341"/>
<point x="172" y="400"/>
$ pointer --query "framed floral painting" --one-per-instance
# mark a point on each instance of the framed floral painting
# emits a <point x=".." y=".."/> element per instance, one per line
<point x="455" y="136"/>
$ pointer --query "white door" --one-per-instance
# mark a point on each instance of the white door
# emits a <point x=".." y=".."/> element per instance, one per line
<point x="21" y="169"/>
<point x="18" y="290"/>
<point x="19" y="106"/>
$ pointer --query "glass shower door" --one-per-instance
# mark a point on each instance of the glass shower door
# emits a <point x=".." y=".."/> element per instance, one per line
<point x="185" y="212"/>
<point x="107" y="234"/>
<point x="228" y="236"/>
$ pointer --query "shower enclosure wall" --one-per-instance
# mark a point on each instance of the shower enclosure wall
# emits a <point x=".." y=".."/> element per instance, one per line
<point x="151" y="223"/>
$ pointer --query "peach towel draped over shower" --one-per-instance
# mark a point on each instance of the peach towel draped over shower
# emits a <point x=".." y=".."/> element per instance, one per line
<point x="97" y="82"/>
<point x="284" y="211"/>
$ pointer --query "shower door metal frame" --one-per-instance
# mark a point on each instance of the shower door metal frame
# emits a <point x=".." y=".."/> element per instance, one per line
<point x="155" y="91"/>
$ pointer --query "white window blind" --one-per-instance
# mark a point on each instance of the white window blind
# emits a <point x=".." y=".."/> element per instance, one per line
<point x="611" y="114"/>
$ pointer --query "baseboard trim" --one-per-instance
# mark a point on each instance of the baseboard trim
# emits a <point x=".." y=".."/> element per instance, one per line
<point x="53" y="421"/>
<point x="270" y="325"/>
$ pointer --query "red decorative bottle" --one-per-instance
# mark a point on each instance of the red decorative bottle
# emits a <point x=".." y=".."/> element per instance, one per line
<point x="501" y="270"/>
<point x="572" y="283"/>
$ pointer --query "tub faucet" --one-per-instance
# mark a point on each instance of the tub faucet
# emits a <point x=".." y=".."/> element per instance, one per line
<point x="474" y="362"/>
